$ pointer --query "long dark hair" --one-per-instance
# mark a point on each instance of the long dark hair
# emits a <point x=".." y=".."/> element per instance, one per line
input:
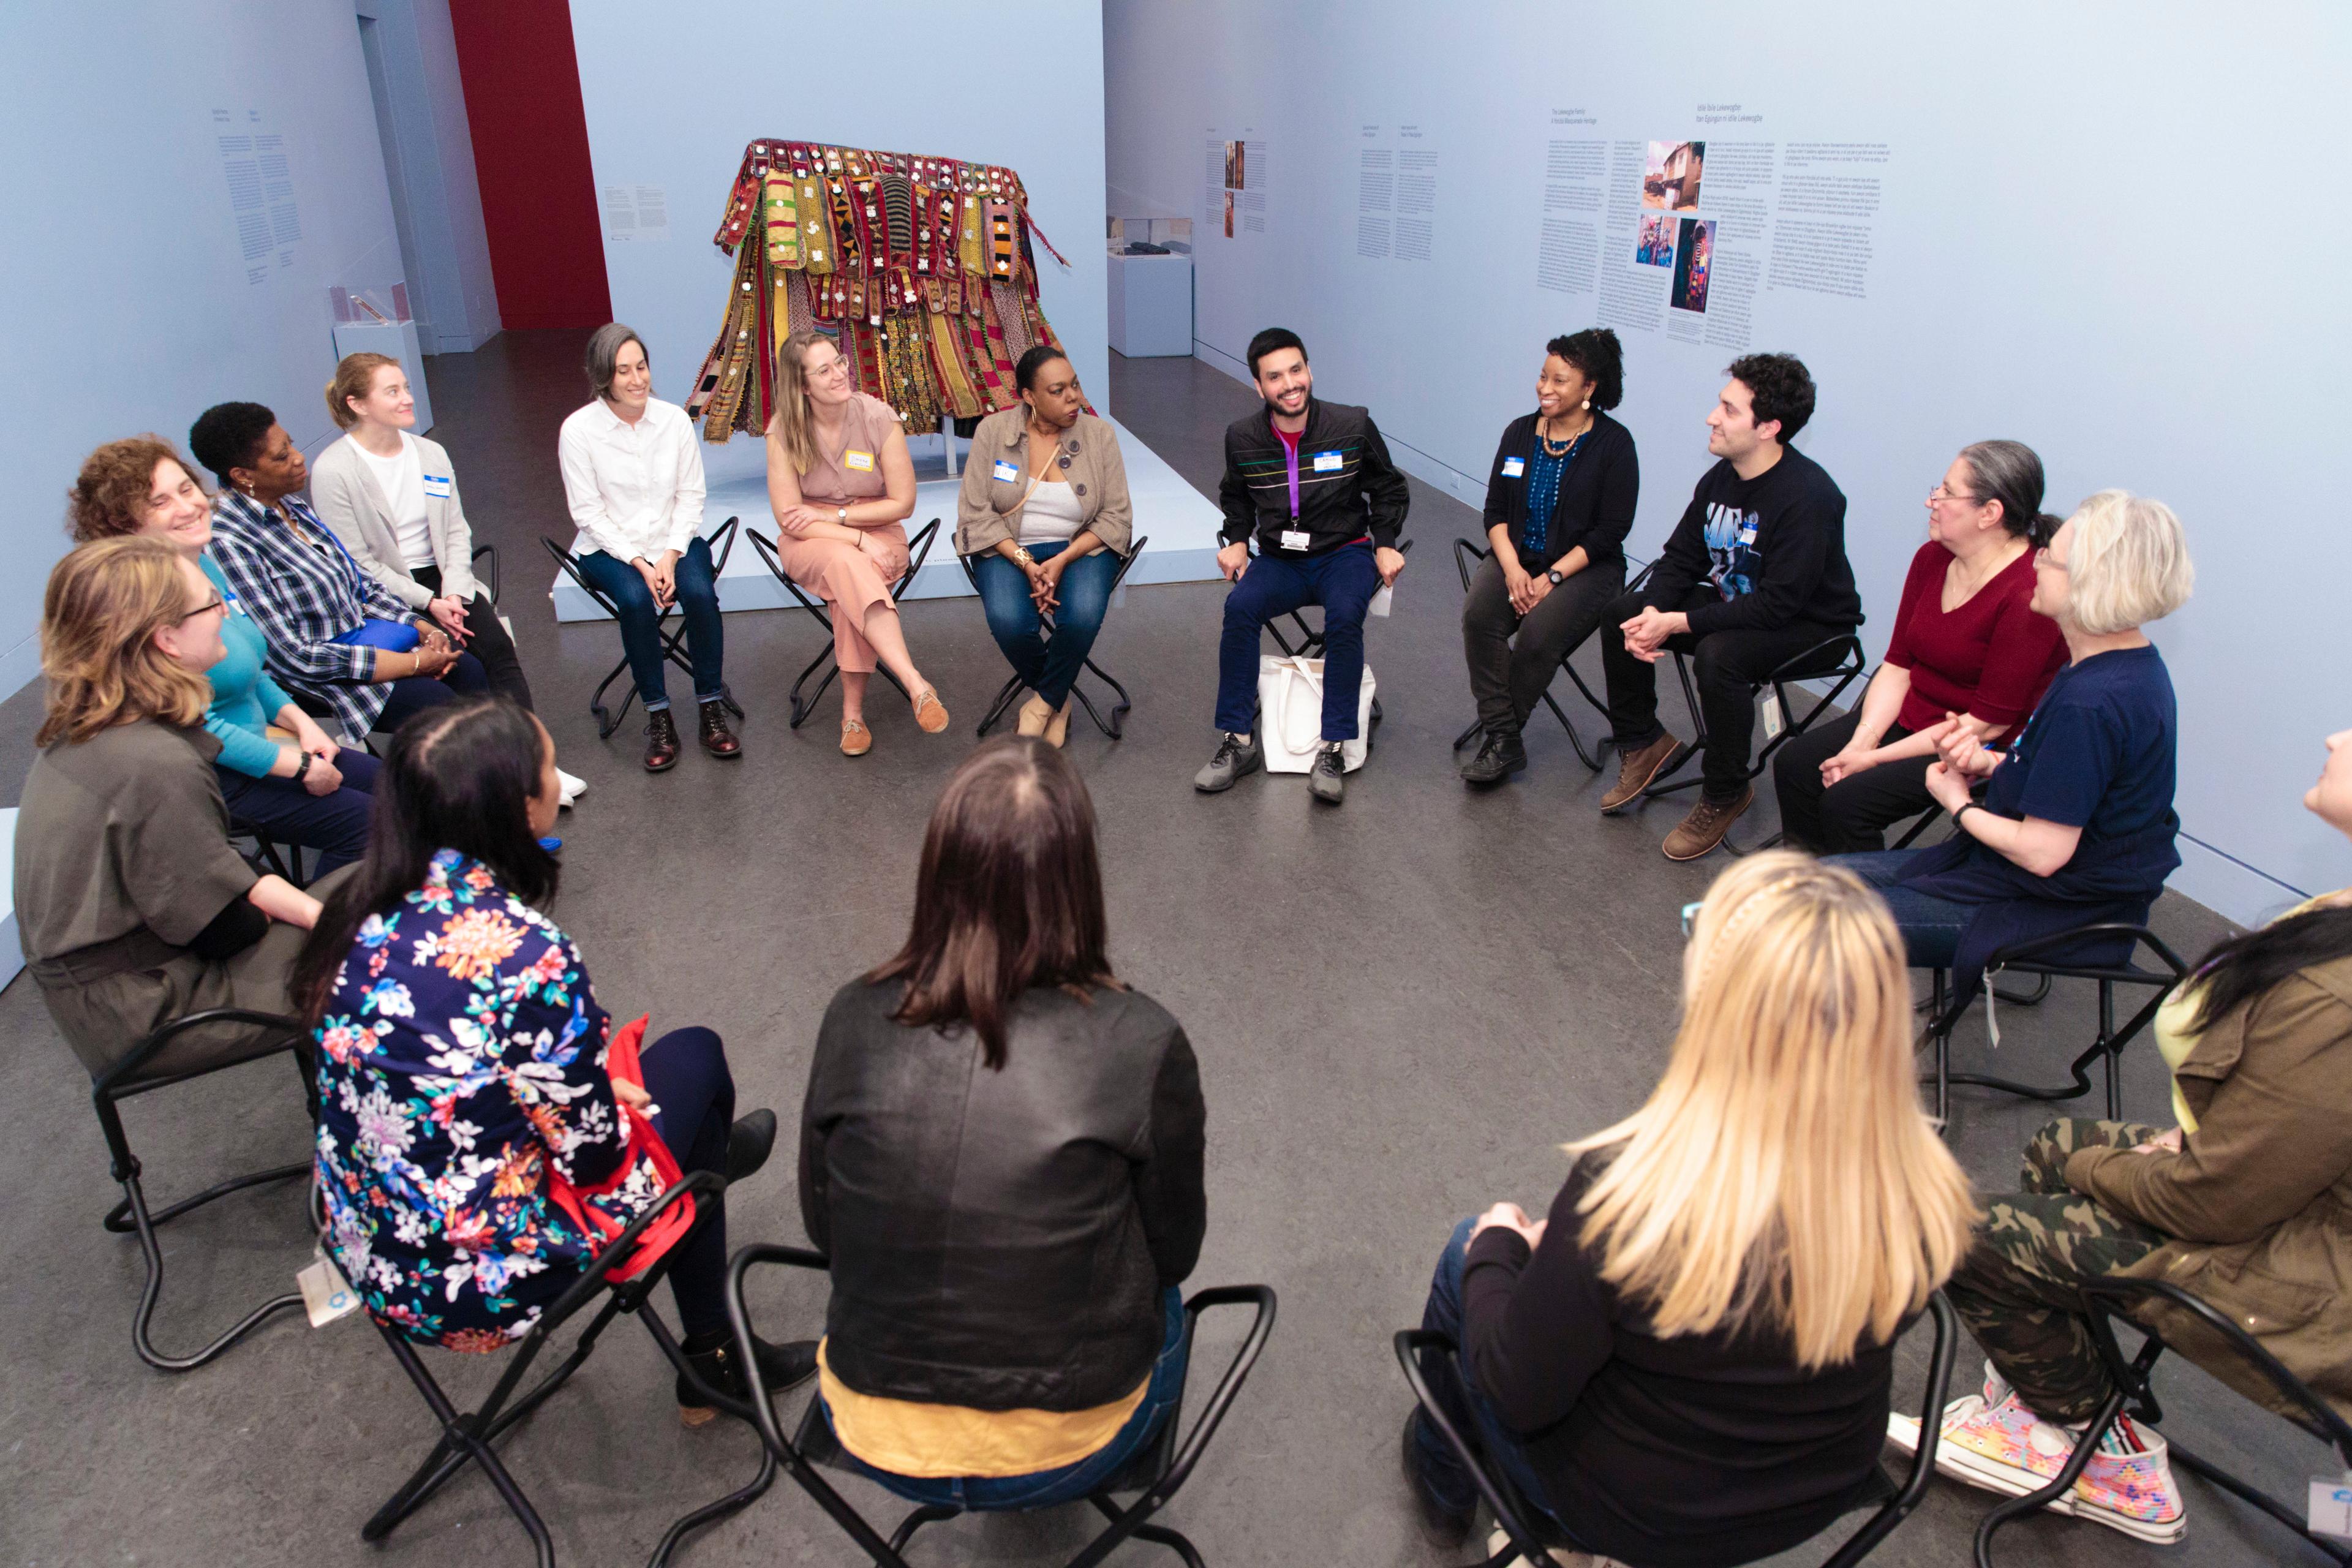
<point x="1009" y="896"/>
<point x="459" y="777"/>
<point x="2243" y="967"/>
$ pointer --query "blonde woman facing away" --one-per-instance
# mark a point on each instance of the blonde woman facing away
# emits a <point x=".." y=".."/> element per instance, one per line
<point x="1688" y="1362"/>
<point x="843" y="488"/>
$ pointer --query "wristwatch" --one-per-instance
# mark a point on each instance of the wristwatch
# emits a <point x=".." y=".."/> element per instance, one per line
<point x="302" y="768"/>
<point x="1556" y="578"/>
<point x="1966" y="807"/>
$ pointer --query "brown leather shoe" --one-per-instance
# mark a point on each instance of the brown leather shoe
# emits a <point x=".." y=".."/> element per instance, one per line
<point x="1704" y="829"/>
<point x="716" y="737"/>
<point x="661" y="742"/>
<point x="1636" y="769"/>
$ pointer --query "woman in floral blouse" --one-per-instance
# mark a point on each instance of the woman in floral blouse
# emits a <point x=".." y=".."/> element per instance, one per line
<point x="461" y="1065"/>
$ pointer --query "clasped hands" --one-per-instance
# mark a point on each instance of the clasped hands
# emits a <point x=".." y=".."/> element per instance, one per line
<point x="1510" y="1216"/>
<point x="1526" y="589"/>
<point x="1646" y="633"/>
<point x="1962" y="761"/>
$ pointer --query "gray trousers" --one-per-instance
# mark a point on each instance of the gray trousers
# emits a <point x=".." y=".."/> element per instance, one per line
<point x="1508" y="678"/>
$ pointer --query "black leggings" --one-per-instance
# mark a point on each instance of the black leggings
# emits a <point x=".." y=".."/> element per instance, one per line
<point x="694" y="1099"/>
<point x="1849" y="818"/>
<point x="486" y="639"/>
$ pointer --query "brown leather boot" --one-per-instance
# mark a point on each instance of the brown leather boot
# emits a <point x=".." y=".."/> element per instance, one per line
<point x="1636" y="769"/>
<point x="716" y="737"/>
<point x="1704" y="829"/>
<point x="661" y="742"/>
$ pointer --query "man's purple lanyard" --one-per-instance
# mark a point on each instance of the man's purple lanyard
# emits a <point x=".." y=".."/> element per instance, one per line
<point x="1290" y="450"/>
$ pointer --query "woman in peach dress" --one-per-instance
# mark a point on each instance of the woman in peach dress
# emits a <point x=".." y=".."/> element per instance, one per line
<point x="843" y="487"/>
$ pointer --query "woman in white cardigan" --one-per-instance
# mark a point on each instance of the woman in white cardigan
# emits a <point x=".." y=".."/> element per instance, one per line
<point x="391" y="497"/>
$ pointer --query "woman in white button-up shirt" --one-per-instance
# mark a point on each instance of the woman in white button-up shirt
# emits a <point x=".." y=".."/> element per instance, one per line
<point x="632" y="479"/>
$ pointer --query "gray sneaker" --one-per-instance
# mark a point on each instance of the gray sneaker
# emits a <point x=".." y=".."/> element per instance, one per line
<point x="1328" y="779"/>
<point x="1236" y="755"/>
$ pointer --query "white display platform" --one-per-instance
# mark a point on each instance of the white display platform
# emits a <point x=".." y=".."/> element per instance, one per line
<point x="1179" y="523"/>
<point x="1151" y="306"/>
<point x="12" y="951"/>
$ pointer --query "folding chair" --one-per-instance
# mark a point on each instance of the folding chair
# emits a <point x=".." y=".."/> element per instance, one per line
<point x="2081" y="953"/>
<point x="1465" y="553"/>
<point x="281" y="858"/>
<point x="467" y="1440"/>
<point x="128" y="1078"/>
<point x="1530" y="1533"/>
<point x="919" y="549"/>
<point x="1311" y="638"/>
<point x="673" y="643"/>
<point x="1116" y="726"/>
<point x="2112" y="1298"/>
<point x="1157" y="1471"/>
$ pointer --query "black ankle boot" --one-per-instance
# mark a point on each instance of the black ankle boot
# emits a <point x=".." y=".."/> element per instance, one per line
<point x="712" y="1357"/>
<point x="749" y="1143"/>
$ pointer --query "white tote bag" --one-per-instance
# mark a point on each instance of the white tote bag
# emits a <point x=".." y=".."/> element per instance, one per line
<point x="1290" y="714"/>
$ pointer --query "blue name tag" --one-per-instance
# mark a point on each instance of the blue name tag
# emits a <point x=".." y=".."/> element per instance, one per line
<point x="1006" y="471"/>
<point x="1514" y="467"/>
<point x="437" y="486"/>
<point x="1327" y="462"/>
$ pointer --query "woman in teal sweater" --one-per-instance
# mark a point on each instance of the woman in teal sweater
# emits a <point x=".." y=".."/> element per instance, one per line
<point x="307" y="790"/>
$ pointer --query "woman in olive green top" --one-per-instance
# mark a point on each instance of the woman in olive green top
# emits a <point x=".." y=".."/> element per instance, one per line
<point x="1045" y="520"/>
<point x="131" y="907"/>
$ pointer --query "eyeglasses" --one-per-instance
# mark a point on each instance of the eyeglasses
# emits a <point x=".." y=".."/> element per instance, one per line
<point x="1690" y="916"/>
<point x="2042" y="557"/>
<point x="831" y="367"/>
<point x="207" y="607"/>
<point x="1939" y="493"/>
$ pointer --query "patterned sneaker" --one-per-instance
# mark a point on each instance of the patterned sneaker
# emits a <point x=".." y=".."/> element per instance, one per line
<point x="2003" y="1447"/>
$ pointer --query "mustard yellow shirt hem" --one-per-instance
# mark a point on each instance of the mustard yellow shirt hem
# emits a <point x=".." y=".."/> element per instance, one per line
<point x="909" y="1437"/>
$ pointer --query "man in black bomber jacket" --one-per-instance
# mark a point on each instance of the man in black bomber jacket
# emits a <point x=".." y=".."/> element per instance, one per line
<point x="1312" y="482"/>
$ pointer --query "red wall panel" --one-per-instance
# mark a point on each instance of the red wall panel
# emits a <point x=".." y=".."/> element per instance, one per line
<point x="530" y="155"/>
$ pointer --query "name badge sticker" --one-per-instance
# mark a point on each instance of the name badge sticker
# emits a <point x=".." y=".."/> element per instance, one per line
<point x="1006" y="471"/>
<point x="437" y="486"/>
<point x="862" y="461"/>
<point x="1748" y="534"/>
<point x="1514" y="467"/>
<point x="1327" y="462"/>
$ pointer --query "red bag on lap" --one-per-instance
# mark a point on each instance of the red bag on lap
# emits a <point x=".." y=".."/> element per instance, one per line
<point x="646" y="1155"/>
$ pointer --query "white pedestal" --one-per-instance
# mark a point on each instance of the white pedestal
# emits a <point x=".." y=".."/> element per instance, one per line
<point x="1151" y="306"/>
<point x="397" y="338"/>
<point x="12" y="951"/>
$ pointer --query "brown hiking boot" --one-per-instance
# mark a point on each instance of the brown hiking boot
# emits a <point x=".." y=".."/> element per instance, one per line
<point x="661" y="742"/>
<point x="716" y="737"/>
<point x="1636" y="769"/>
<point x="1704" y="829"/>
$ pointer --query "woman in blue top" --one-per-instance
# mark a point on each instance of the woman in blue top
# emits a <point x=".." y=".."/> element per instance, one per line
<point x="2077" y="822"/>
<point x="1558" y="504"/>
<point x="307" y="790"/>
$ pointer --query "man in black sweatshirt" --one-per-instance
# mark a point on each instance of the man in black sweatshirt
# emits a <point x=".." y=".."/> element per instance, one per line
<point x="1753" y="576"/>
<point x="1313" y="483"/>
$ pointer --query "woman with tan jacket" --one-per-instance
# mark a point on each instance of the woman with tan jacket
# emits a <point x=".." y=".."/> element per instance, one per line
<point x="2243" y="1203"/>
<point x="1045" y="520"/>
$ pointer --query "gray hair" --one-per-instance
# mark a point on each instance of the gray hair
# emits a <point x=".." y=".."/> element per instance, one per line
<point x="605" y="352"/>
<point x="2129" y="563"/>
<point x="2010" y="473"/>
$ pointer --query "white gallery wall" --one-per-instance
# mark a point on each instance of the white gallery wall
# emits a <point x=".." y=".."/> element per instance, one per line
<point x="186" y="182"/>
<point x="2112" y="231"/>
<point x="673" y="99"/>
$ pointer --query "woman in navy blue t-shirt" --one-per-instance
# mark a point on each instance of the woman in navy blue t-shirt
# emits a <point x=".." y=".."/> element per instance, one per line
<point x="2077" y="822"/>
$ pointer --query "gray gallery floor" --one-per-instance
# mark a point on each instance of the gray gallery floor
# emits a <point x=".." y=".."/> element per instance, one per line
<point x="1400" y="1007"/>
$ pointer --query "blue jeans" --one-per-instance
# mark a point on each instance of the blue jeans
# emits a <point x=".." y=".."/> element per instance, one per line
<point x="1048" y="668"/>
<point x="694" y="1111"/>
<point x="1070" y="1483"/>
<point x="1343" y="582"/>
<point x="412" y="694"/>
<point x="1467" y="1408"/>
<point x="698" y="601"/>
<point x="335" y="825"/>
<point x="1931" y="926"/>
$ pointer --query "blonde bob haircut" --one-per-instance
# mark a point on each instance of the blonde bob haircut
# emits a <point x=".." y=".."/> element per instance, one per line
<point x="2128" y="563"/>
<point x="1782" y="1177"/>
<point x="355" y="377"/>
<point x="98" y="619"/>
<point x="789" y="429"/>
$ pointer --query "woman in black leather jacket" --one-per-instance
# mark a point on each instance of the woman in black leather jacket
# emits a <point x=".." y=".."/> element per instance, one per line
<point x="1000" y="1153"/>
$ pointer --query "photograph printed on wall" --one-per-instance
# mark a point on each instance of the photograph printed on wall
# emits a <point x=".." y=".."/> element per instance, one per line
<point x="1229" y="214"/>
<point x="1656" y="245"/>
<point x="1696" y="249"/>
<point x="1670" y="183"/>
<point x="1237" y="166"/>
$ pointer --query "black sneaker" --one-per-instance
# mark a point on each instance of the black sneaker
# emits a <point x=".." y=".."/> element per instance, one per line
<point x="1441" y="1524"/>
<point x="1499" y="756"/>
<point x="1236" y="756"/>
<point x="1328" y="779"/>
<point x="749" y="1143"/>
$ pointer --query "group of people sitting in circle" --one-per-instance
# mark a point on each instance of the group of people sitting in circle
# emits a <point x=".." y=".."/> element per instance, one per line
<point x="1002" y="1143"/>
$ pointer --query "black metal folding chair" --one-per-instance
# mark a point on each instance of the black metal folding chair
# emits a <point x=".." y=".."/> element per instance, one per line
<point x="1117" y="724"/>
<point x="280" y="857"/>
<point x="1156" y="1472"/>
<point x="469" y="1438"/>
<point x="131" y="1077"/>
<point x="722" y="540"/>
<point x="1530" y="1533"/>
<point x="1465" y="553"/>
<point x="2082" y="953"/>
<point x="919" y="549"/>
<point x="2109" y="1298"/>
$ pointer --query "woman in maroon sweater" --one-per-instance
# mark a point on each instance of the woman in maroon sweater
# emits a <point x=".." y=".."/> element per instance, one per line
<point x="1966" y="651"/>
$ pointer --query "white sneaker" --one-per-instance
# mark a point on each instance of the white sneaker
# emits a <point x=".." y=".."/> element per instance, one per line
<point x="573" y="785"/>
